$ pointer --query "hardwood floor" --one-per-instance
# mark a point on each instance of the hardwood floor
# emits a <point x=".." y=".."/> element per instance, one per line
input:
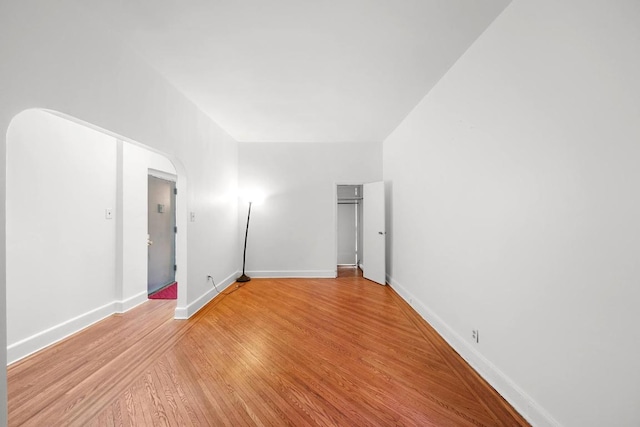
<point x="275" y="352"/>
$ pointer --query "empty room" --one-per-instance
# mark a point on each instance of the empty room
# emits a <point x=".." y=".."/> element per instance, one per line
<point x="323" y="213"/>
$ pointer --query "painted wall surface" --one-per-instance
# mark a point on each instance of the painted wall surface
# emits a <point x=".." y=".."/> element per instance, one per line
<point x="514" y="209"/>
<point x="293" y="232"/>
<point x="54" y="59"/>
<point x="61" y="178"/>
<point x="60" y="247"/>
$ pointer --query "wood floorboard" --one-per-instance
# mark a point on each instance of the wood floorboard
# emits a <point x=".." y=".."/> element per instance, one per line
<point x="274" y="352"/>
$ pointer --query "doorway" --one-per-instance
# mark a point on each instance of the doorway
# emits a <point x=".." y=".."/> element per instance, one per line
<point x="161" y="239"/>
<point x="349" y="225"/>
<point x="99" y="236"/>
<point x="360" y="225"/>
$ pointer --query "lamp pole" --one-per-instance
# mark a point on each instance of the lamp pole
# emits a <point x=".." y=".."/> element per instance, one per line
<point x="244" y="277"/>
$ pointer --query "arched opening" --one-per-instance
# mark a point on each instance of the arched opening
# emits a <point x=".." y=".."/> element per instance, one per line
<point x="76" y="227"/>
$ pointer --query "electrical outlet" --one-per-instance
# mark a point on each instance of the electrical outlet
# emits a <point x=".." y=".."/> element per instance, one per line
<point x="475" y="335"/>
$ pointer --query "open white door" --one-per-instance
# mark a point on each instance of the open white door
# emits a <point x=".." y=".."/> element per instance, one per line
<point x="374" y="235"/>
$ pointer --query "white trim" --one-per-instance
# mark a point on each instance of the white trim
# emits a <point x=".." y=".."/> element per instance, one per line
<point x="184" y="313"/>
<point x="521" y="401"/>
<point x="191" y="309"/>
<point x="50" y="336"/>
<point x="294" y="274"/>
<point x="54" y="334"/>
<point x="167" y="176"/>
<point x="131" y="302"/>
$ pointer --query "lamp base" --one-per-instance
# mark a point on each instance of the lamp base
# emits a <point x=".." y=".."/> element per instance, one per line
<point x="243" y="278"/>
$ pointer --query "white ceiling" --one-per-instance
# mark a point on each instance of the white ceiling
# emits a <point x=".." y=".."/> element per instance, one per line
<point x="302" y="70"/>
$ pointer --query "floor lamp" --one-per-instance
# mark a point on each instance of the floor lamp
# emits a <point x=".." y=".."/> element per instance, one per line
<point x="244" y="277"/>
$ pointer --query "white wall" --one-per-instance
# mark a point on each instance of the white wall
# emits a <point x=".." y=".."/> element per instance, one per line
<point x="54" y="59"/>
<point x="514" y="209"/>
<point x="65" y="261"/>
<point x="293" y="232"/>
<point x="60" y="248"/>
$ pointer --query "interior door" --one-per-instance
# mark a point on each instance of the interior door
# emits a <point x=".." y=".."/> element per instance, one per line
<point x="162" y="238"/>
<point x="374" y="234"/>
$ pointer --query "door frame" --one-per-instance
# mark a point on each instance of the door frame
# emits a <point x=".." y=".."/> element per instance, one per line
<point x="165" y="176"/>
<point x="335" y="222"/>
<point x="358" y="230"/>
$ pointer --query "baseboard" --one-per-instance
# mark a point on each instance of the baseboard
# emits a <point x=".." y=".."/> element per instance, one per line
<point x="191" y="309"/>
<point x="131" y="302"/>
<point x="50" y="336"/>
<point x="195" y="306"/>
<point x="293" y="274"/>
<point x="523" y="403"/>
<point x="41" y="340"/>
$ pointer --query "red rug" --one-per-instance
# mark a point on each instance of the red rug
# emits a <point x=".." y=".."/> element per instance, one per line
<point x="168" y="292"/>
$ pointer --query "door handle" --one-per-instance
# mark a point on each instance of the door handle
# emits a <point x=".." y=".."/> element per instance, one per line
<point x="382" y="232"/>
<point x="149" y="242"/>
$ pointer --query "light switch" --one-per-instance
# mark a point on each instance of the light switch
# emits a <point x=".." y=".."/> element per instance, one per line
<point x="108" y="213"/>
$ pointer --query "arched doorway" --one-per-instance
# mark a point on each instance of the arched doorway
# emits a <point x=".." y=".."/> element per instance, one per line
<point x="76" y="227"/>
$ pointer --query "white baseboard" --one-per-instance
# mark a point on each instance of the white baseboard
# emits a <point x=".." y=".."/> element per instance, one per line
<point x="191" y="309"/>
<point x="195" y="306"/>
<point x="131" y="302"/>
<point x="43" y="339"/>
<point x="293" y="274"/>
<point x="523" y="403"/>
<point x="36" y="342"/>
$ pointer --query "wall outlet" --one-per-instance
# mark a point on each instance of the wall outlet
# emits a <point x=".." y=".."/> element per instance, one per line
<point x="475" y="335"/>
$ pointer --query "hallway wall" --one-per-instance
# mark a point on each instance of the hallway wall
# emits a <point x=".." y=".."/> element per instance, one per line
<point x="54" y="59"/>
<point x="514" y="209"/>
<point x="61" y="256"/>
<point x="65" y="260"/>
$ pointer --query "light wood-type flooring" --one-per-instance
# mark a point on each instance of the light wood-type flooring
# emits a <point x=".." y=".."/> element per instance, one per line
<point x="274" y="352"/>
